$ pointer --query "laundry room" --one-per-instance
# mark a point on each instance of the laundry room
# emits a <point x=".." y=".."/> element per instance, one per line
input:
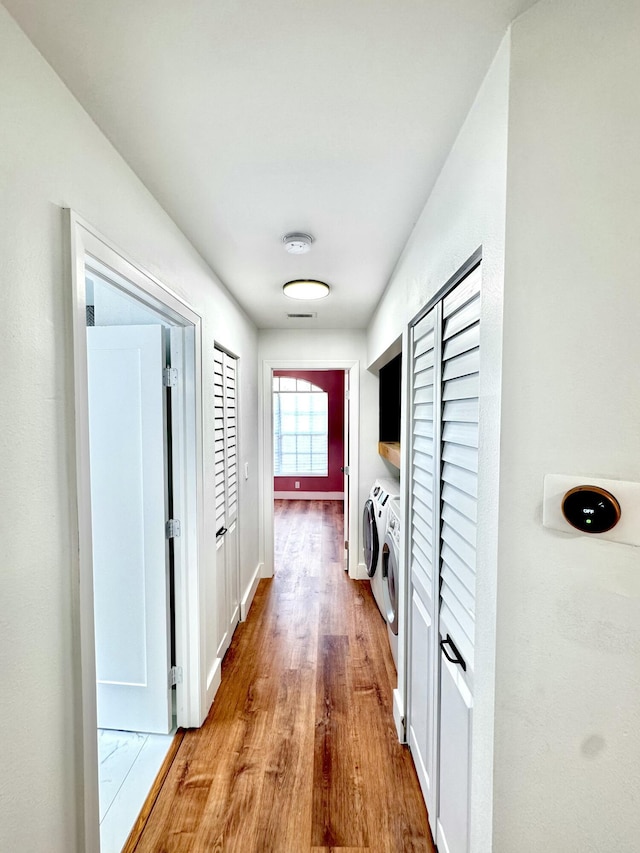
<point x="382" y="513"/>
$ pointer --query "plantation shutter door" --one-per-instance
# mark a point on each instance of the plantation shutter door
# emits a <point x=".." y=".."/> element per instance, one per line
<point x="219" y="438"/>
<point x="423" y="454"/>
<point x="460" y="381"/>
<point x="231" y="457"/>
<point x="424" y="501"/>
<point x="231" y="480"/>
<point x="226" y="496"/>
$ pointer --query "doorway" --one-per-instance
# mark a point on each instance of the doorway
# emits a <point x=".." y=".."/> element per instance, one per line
<point x="129" y="361"/>
<point x="302" y="460"/>
<point x="137" y="379"/>
<point x="309" y="443"/>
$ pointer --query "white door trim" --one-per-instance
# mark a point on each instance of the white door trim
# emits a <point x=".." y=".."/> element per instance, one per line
<point x="87" y="246"/>
<point x="265" y="489"/>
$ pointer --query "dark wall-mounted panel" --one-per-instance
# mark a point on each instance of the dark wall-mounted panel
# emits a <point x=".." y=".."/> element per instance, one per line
<point x="390" y="390"/>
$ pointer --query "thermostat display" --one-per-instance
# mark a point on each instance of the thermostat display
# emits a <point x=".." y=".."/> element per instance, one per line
<point x="622" y="498"/>
<point x="591" y="509"/>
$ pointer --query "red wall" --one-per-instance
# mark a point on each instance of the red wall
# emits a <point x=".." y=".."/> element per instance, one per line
<point x="331" y="381"/>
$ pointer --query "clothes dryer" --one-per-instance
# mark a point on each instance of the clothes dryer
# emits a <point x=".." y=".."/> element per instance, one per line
<point x="374" y="524"/>
<point x="390" y="559"/>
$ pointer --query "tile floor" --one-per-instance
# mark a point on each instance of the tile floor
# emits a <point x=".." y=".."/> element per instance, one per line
<point x="129" y="763"/>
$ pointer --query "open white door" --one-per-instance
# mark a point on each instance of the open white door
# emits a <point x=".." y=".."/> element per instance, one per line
<point x="127" y="426"/>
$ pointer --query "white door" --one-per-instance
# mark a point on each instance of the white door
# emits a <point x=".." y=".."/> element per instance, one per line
<point x="423" y="559"/>
<point x="127" y="424"/>
<point x="231" y="476"/>
<point x="459" y="493"/>
<point x="443" y="512"/>
<point x="226" y="492"/>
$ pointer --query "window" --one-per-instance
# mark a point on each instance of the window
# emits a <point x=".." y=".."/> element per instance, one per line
<point x="300" y="428"/>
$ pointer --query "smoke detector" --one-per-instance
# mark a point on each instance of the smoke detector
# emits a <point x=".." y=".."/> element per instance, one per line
<point x="297" y="244"/>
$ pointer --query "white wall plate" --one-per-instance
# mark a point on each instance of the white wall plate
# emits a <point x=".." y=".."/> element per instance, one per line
<point x="626" y="531"/>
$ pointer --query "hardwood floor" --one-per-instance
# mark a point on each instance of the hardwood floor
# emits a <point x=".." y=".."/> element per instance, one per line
<point x="299" y="752"/>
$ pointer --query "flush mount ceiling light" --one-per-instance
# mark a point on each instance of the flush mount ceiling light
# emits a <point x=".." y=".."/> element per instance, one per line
<point x="296" y="243"/>
<point x="304" y="288"/>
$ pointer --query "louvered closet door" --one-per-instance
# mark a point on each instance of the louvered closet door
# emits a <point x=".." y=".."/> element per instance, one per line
<point x="218" y="439"/>
<point x="423" y="638"/>
<point x="231" y="475"/>
<point x="443" y="515"/>
<point x="460" y="378"/>
<point x="231" y="459"/>
<point x="459" y="491"/>
<point x="226" y="496"/>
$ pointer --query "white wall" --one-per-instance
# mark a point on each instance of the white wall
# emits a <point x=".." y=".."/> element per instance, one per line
<point x="52" y="156"/>
<point x="465" y="210"/>
<point x="568" y="658"/>
<point x="337" y="345"/>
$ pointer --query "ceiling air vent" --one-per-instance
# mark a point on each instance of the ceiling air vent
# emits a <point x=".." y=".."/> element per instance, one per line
<point x="310" y="315"/>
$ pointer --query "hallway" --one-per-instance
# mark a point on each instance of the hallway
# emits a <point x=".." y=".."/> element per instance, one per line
<point x="299" y="753"/>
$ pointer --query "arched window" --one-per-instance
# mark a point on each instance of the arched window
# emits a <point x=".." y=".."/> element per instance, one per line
<point x="300" y="428"/>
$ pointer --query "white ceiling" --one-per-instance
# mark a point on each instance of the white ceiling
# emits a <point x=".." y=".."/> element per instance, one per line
<point x="247" y="120"/>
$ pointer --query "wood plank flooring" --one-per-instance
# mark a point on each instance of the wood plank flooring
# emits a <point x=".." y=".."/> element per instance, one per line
<point x="299" y="752"/>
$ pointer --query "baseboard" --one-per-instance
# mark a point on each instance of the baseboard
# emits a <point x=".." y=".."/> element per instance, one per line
<point x="443" y="845"/>
<point x="398" y="716"/>
<point x="250" y="591"/>
<point x="213" y="682"/>
<point x="361" y="573"/>
<point x="308" y="496"/>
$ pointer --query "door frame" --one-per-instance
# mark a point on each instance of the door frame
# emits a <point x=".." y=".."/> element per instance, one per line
<point x="88" y="249"/>
<point x="265" y="492"/>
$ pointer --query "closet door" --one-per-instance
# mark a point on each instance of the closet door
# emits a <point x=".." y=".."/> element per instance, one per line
<point x="442" y="564"/>
<point x="423" y="577"/>
<point x="459" y="483"/>
<point x="226" y="497"/>
<point x="219" y="442"/>
<point x="231" y="477"/>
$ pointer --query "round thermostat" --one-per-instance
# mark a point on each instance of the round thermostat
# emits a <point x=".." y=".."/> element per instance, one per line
<point x="591" y="509"/>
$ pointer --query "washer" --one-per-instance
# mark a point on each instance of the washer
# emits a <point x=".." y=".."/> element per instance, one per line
<point x="391" y="574"/>
<point x="374" y="526"/>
